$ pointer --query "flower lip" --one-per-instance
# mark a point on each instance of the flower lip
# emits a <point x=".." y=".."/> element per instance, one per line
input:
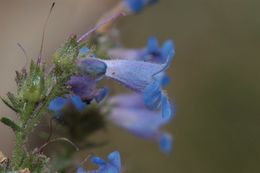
<point x="59" y="103"/>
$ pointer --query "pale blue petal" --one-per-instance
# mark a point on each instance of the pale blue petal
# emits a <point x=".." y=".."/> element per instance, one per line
<point x="81" y="170"/>
<point x="101" y="94"/>
<point x="57" y="104"/>
<point x="129" y="54"/>
<point x="166" y="143"/>
<point x="131" y="100"/>
<point x="78" y="103"/>
<point x="165" y="80"/>
<point x="114" y="159"/>
<point x="141" y="122"/>
<point x="113" y="165"/>
<point x="98" y="161"/>
<point x="136" y="75"/>
<point x="153" y="95"/>
<point x="83" y="51"/>
<point x="153" y="45"/>
<point x="168" y="50"/>
<point x="166" y="108"/>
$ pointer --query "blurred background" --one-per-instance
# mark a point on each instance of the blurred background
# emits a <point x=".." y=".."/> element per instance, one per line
<point x="215" y="76"/>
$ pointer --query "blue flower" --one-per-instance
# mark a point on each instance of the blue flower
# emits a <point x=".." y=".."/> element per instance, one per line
<point x="152" y="52"/>
<point x="113" y="165"/>
<point x="85" y="87"/>
<point x="159" y="54"/>
<point x="129" y="112"/>
<point x="138" y="5"/>
<point x="140" y="76"/>
<point x="59" y="103"/>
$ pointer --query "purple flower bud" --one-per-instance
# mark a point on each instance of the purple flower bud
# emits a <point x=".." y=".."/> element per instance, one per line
<point x="83" y="86"/>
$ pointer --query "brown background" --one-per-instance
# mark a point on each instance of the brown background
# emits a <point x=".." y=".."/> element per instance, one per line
<point x="215" y="85"/>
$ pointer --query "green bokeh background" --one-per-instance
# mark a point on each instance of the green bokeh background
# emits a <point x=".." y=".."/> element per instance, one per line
<point x="215" y="86"/>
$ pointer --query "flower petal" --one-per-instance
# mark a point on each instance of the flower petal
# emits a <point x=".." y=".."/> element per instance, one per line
<point x="129" y="54"/>
<point x="153" y="45"/>
<point x="78" y="103"/>
<point x="114" y="158"/>
<point x="166" y="143"/>
<point x="166" y="108"/>
<point x="153" y="95"/>
<point x="101" y="94"/>
<point x="83" y="51"/>
<point x="92" y="67"/>
<point x="141" y="122"/>
<point x="98" y="161"/>
<point x="81" y="170"/>
<point x="168" y="50"/>
<point x="57" y="104"/>
<point x="135" y="5"/>
<point x="136" y="75"/>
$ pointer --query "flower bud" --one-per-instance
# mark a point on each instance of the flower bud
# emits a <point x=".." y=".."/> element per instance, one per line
<point x="65" y="57"/>
<point x="92" y="67"/>
<point x="33" y="87"/>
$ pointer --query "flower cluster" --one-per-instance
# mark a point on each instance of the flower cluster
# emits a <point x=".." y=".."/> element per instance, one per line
<point x="73" y="90"/>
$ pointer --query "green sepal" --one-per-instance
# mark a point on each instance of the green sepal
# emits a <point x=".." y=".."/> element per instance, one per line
<point x="10" y="124"/>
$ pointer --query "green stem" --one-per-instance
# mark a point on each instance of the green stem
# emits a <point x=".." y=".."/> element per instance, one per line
<point x="19" y="150"/>
<point x="29" y="119"/>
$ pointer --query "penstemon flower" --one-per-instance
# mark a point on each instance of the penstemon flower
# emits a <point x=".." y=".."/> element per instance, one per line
<point x="74" y="91"/>
<point x="130" y="113"/>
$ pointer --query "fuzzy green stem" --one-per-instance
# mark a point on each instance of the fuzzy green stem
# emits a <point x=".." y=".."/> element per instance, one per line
<point x="29" y="119"/>
<point x="19" y="150"/>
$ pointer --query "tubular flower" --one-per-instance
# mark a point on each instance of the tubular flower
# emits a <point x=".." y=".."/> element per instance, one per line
<point x="152" y="52"/>
<point x="113" y="165"/>
<point x="129" y="113"/>
<point x="142" y="77"/>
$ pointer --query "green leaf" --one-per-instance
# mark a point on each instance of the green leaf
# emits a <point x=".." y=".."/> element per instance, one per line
<point x="7" y="103"/>
<point x="10" y="123"/>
